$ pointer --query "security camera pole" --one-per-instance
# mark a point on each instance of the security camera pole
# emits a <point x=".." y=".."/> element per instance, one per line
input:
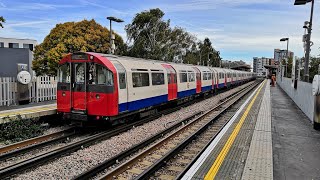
<point x="115" y="20"/>
<point x="308" y="42"/>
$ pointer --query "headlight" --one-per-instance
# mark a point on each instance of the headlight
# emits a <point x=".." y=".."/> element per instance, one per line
<point x="97" y="96"/>
<point x="63" y="94"/>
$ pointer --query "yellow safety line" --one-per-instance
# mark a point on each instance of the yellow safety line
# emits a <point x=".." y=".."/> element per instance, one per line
<point x="32" y="110"/>
<point x="223" y="153"/>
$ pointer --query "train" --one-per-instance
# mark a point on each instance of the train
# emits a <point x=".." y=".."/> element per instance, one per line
<point x="104" y="87"/>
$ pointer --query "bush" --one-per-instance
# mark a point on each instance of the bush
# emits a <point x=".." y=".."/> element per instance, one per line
<point x="19" y="130"/>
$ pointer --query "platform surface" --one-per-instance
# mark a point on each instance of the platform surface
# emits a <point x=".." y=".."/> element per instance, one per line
<point x="11" y="113"/>
<point x="275" y="141"/>
<point x="296" y="145"/>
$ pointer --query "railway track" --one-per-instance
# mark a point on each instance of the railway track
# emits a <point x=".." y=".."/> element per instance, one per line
<point x="50" y="155"/>
<point x="32" y="144"/>
<point x="174" y="140"/>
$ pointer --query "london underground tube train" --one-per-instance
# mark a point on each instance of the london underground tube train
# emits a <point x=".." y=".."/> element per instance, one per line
<point x="99" y="87"/>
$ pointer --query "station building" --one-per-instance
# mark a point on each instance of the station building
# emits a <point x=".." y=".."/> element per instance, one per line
<point x="14" y="51"/>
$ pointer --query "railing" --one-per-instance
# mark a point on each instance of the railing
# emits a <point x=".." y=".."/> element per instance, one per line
<point x="42" y="88"/>
<point x="8" y="89"/>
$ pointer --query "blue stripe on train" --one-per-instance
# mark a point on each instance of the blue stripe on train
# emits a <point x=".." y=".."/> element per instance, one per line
<point x="143" y="103"/>
<point x="221" y="85"/>
<point x="206" y="88"/>
<point x="186" y="93"/>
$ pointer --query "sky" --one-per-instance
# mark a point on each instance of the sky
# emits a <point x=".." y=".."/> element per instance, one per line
<point x="239" y="29"/>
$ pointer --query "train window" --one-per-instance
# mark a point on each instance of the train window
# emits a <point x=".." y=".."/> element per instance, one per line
<point x="183" y="77"/>
<point x="80" y="72"/>
<point x="191" y="77"/>
<point x="209" y="76"/>
<point x="140" y="79"/>
<point x="157" y="78"/>
<point x="122" y="80"/>
<point x="64" y="73"/>
<point x="104" y="76"/>
<point x="204" y="76"/>
<point x="121" y="74"/>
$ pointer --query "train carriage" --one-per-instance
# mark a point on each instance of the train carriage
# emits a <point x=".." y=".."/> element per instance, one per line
<point x="207" y="82"/>
<point x="99" y="86"/>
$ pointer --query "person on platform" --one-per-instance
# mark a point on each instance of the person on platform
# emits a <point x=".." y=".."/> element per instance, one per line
<point x="273" y="80"/>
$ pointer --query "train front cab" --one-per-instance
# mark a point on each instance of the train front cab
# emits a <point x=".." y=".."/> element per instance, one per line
<point x="86" y="81"/>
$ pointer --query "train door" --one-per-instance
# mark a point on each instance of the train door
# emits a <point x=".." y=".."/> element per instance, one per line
<point x="172" y="82"/>
<point x="79" y="88"/>
<point x="122" y="88"/>
<point x="198" y="77"/>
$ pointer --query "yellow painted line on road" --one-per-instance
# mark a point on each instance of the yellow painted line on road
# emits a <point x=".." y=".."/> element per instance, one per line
<point x="223" y="153"/>
<point x="27" y="111"/>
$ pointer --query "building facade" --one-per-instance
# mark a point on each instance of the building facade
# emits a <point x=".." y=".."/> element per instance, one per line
<point x="259" y="63"/>
<point x="14" y="51"/>
<point x="17" y="43"/>
<point x="281" y="54"/>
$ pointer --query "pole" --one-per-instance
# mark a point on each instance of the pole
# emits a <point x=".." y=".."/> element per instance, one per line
<point x="306" y="63"/>
<point x="287" y="58"/>
<point x="110" y="48"/>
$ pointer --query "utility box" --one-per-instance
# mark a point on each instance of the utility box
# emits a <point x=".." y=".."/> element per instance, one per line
<point x="23" y="78"/>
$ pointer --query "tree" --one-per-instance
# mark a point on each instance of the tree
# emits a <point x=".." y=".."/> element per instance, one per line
<point x="314" y="65"/>
<point x="2" y="20"/>
<point x="152" y="37"/>
<point x="71" y="37"/>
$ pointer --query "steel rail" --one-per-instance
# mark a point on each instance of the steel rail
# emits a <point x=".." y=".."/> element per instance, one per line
<point x="129" y="163"/>
<point x="45" y="157"/>
<point x="31" y="142"/>
<point x="115" y="159"/>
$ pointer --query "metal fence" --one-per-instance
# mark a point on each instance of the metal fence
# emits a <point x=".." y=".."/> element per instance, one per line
<point x="42" y="88"/>
<point x="302" y="96"/>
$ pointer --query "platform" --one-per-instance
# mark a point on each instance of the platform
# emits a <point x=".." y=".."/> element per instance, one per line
<point x="11" y="113"/>
<point x="269" y="137"/>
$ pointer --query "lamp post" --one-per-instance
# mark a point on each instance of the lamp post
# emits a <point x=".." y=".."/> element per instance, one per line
<point x="287" y="55"/>
<point x="308" y="43"/>
<point x="111" y="18"/>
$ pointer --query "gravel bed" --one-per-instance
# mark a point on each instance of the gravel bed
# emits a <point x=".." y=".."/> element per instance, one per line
<point x="68" y="167"/>
<point x="56" y="129"/>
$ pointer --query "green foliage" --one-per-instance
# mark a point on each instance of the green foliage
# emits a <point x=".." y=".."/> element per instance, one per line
<point x="72" y="37"/>
<point x="19" y="130"/>
<point x="2" y="20"/>
<point x="153" y="38"/>
<point x="314" y="65"/>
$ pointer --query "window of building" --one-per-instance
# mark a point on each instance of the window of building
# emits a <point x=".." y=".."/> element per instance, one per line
<point x="157" y="78"/>
<point x="13" y="45"/>
<point x="1" y="45"/>
<point x="183" y="77"/>
<point x="140" y="79"/>
<point x="28" y="46"/>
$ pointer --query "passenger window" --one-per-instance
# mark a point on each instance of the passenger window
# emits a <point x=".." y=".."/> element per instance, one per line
<point x="157" y="78"/>
<point x="204" y="76"/>
<point x="191" y="77"/>
<point x="140" y="79"/>
<point x="183" y="77"/>
<point x="64" y="73"/>
<point x="122" y="80"/>
<point x="104" y="76"/>
<point x="121" y="75"/>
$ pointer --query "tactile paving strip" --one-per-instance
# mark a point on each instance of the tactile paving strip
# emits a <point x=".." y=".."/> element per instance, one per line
<point x="259" y="164"/>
